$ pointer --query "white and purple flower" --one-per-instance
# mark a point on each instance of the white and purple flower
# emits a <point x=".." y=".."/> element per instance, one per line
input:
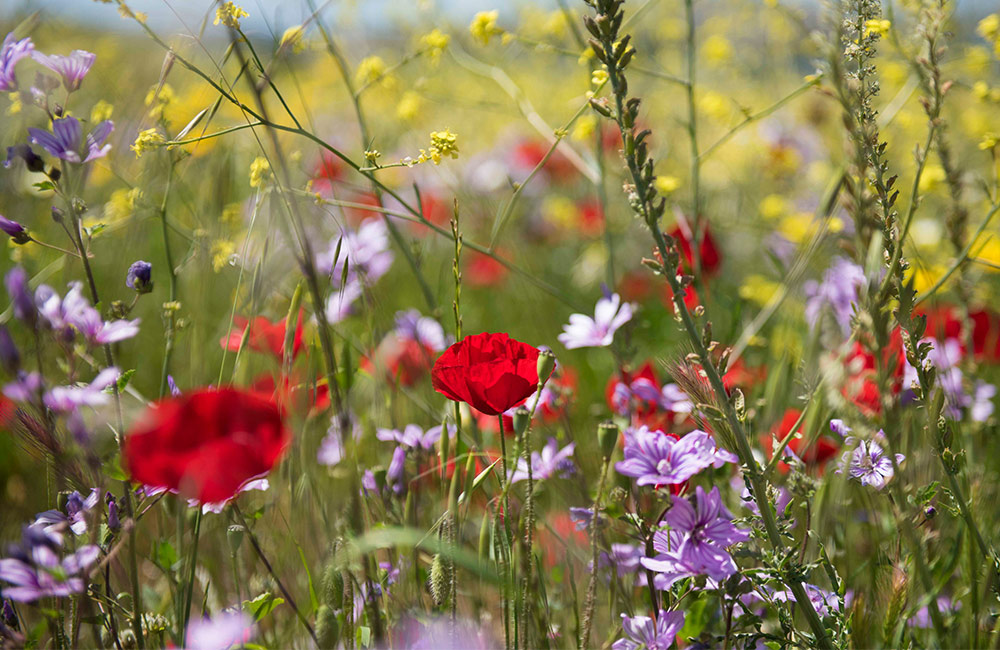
<point x="597" y="332"/>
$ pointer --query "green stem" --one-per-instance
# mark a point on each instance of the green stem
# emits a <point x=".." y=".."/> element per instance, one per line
<point x="591" y="598"/>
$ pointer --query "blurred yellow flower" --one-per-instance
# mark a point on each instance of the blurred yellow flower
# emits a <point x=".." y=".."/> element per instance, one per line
<point x="370" y="70"/>
<point x="435" y="43"/>
<point x="158" y="98"/>
<point x="797" y="227"/>
<point x="932" y="177"/>
<point x="666" y="184"/>
<point x="222" y="251"/>
<point x="121" y="204"/>
<point x="989" y="27"/>
<point x="585" y="127"/>
<point x="989" y="141"/>
<point x="717" y="49"/>
<point x="101" y="111"/>
<point x="409" y="106"/>
<point x="229" y="15"/>
<point x="293" y="39"/>
<point x="758" y="289"/>
<point x="484" y="26"/>
<point x="877" y="26"/>
<point x="773" y="206"/>
<point x="559" y="211"/>
<point x="260" y="171"/>
<point x="231" y="213"/>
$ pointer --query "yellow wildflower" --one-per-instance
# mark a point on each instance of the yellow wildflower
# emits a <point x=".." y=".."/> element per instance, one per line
<point x="599" y="76"/>
<point x="260" y="171"/>
<point x="877" y="26"/>
<point x="101" y="111"/>
<point x="370" y="70"/>
<point x="158" y="98"/>
<point x="229" y="15"/>
<point x="758" y="289"/>
<point x="484" y="26"/>
<point x="231" y="214"/>
<point x="585" y="127"/>
<point x="147" y="140"/>
<point x="409" y="106"/>
<point x="989" y="27"/>
<point x="435" y="43"/>
<point x="989" y="141"/>
<point x="717" y="49"/>
<point x="222" y="251"/>
<point x="666" y="184"/>
<point x="443" y="143"/>
<point x="773" y="206"/>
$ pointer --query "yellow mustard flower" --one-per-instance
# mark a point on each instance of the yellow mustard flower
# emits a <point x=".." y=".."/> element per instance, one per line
<point x="222" y="251"/>
<point x="229" y="15"/>
<point x="260" y="171"/>
<point x="147" y="140"/>
<point x="484" y="26"/>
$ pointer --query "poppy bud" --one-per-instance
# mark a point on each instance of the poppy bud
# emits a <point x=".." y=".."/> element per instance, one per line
<point x="607" y="437"/>
<point x="522" y="418"/>
<point x="234" y="535"/>
<point x="546" y="364"/>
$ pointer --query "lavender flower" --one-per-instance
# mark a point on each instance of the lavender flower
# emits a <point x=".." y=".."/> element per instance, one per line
<point x="825" y="602"/>
<point x="72" y="68"/>
<point x="982" y="401"/>
<point x="599" y="331"/>
<point x="66" y="399"/>
<point x="25" y="388"/>
<point x="67" y="142"/>
<point x="11" y="52"/>
<point x="550" y="462"/>
<point x="394" y="473"/>
<point x="922" y="618"/>
<point x="655" y="458"/>
<point x="331" y="449"/>
<point x="838" y="291"/>
<point x="220" y="632"/>
<point x="697" y="540"/>
<point x="422" y="329"/>
<point x="868" y="462"/>
<point x="14" y="230"/>
<point x="624" y="558"/>
<point x="16" y="281"/>
<point x="339" y="303"/>
<point x="838" y="427"/>
<point x="74" y="311"/>
<point x="581" y="517"/>
<point x="139" y="276"/>
<point x="32" y="160"/>
<point x="413" y="436"/>
<point x="36" y="571"/>
<point x="644" y="632"/>
<point x="10" y="358"/>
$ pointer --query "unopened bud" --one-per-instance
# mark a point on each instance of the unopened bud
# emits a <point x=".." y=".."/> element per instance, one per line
<point x="607" y="437"/>
<point x="546" y="364"/>
<point x="522" y="418"/>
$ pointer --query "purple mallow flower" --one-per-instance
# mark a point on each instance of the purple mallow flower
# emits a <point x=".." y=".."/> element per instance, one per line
<point x="838" y="291"/>
<point x="413" y="436"/>
<point x="139" y="276"/>
<point x="16" y="281"/>
<point x="26" y="387"/>
<point x="655" y="458"/>
<point x="644" y="632"/>
<point x="366" y="252"/>
<point x="75" y="517"/>
<point x="66" y="141"/>
<point x="825" y="602"/>
<point x="11" y="52"/>
<point x="220" y="632"/>
<point x="74" y="312"/>
<point x="67" y="399"/>
<point x="599" y="331"/>
<point x="36" y="571"/>
<point x="72" y="68"/>
<point x="24" y="151"/>
<point x="552" y="461"/>
<point x="922" y="618"/>
<point x="700" y="531"/>
<point x="331" y="448"/>
<point x="869" y="463"/>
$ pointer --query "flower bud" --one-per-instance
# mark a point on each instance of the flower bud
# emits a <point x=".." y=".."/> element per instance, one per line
<point x="10" y="358"/>
<point x="327" y="628"/>
<point x="333" y="586"/>
<point x="139" y="277"/>
<point x="15" y="230"/>
<point x="57" y="214"/>
<point x="522" y="418"/>
<point x="546" y="364"/>
<point x="607" y="437"/>
<point x="114" y="523"/>
<point x="930" y="512"/>
<point x="234" y="535"/>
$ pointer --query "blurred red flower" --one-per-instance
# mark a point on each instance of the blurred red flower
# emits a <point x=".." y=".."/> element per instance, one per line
<point x="207" y="443"/>
<point x="484" y="271"/>
<point x="945" y="323"/>
<point x="711" y="259"/>
<point x="265" y="337"/>
<point x="401" y="359"/>
<point x="489" y="372"/>
<point x="815" y="455"/>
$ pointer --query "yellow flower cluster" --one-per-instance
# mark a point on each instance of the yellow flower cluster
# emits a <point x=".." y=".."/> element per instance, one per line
<point x="260" y="171"/>
<point x="229" y="15"/>
<point x="158" y="98"/>
<point x="101" y="111"/>
<point x="370" y="70"/>
<point x="877" y="26"/>
<point x="146" y="141"/>
<point x="989" y="28"/>
<point x="484" y="26"/>
<point x="443" y="143"/>
<point x="435" y="43"/>
<point x="222" y="251"/>
<point x="122" y="204"/>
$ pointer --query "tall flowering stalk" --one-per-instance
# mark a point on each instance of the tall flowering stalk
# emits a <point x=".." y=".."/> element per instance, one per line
<point x="615" y="52"/>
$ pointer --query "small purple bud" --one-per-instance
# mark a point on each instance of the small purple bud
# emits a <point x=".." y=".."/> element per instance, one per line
<point x="9" y="615"/>
<point x="10" y="358"/>
<point x="930" y="512"/>
<point x="113" y="522"/>
<point x="139" y="277"/>
<point x="15" y="230"/>
<point x="57" y="214"/>
<point x="78" y="428"/>
<point x="173" y="386"/>
<point x="17" y="286"/>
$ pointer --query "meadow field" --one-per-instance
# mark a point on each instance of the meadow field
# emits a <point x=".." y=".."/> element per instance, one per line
<point x="556" y="324"/>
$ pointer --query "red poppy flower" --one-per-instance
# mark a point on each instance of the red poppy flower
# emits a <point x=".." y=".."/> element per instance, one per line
<point x="529" y="153"/>
<point x="590" y="218"/>
<point x="484" y="271"/>
<point x="207" y="443"/>
<point x="710" y="257"/>
<point x="403" y="360"/>
<point x="489" y="372"/>
<point x="265" y="337"/>
<point x="815" y="455"/>
<point x="944" y="323"/>
<point x="861" y="387"/>
<point x="328" y="170"/>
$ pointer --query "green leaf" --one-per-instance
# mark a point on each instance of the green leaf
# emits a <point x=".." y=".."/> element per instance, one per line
<point x="113" y="469"/>
<point x="124" y="378"/>
<point x="262" y="605"/>
<point x="165" y="555"/>
<point x="44" y="186"/>
<point x="364" y="636"/>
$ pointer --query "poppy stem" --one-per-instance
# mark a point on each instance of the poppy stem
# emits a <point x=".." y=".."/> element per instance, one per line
<point x="189" y="587"/>
<point x="504" y="484"/>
